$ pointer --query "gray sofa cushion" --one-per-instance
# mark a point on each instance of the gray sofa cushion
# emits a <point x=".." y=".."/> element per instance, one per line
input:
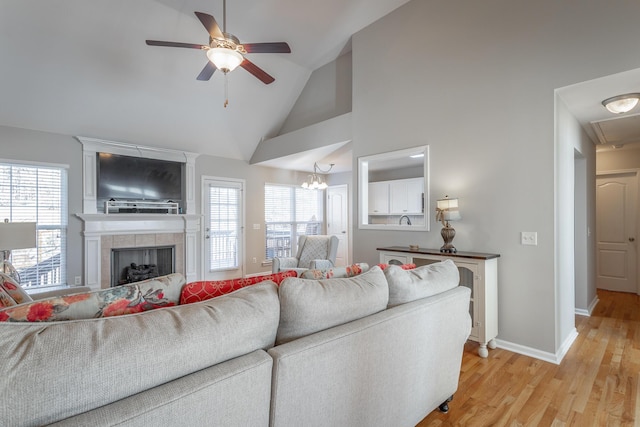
<point x="309" y="305"/>
<point x="421" y="282"/>
<point x="234" y="393"/>
<point x="99" y="361"/>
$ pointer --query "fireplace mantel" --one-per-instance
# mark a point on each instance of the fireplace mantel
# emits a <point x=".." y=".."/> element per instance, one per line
<point x="138" y="227"/>
<point x="92" y="146"/>
<point x="101" y="229"/>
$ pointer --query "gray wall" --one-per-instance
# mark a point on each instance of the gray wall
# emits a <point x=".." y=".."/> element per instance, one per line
<point x="327" y="94"/>
<point x="255" y="178"/>
<point x="476" y="81"/>
<point x="611" y="160"/>
<point x="33" y="146"/>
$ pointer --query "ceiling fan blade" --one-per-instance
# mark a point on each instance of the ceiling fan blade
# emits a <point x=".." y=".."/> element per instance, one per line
<point x="257" y="71"/>
<point x="275" y="47"/>
<point x="207" y="72"/>
<point x="175" y="44"/>
<point x="210" y="24"/>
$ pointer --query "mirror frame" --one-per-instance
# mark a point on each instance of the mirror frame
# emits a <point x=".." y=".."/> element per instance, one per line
<point x="363" y="189"/>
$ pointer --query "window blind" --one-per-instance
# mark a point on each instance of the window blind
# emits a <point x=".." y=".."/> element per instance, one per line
<point x="37" y="193"/>
<point x="224" y="225"/>
<point x="290" y="211"/>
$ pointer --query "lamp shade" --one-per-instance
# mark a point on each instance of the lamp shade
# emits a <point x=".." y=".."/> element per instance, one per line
<point x="621" y="103"/>
<point x="449" y="209"/>
<point x="224" y="59"/>
<point x="17" y="235"/>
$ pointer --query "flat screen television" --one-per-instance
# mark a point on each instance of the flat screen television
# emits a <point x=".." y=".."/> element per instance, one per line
<point x="127" y="178"/>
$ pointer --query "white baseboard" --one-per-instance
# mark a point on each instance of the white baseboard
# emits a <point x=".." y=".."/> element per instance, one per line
<point x="554" y="358"/>
<point x="589" y="310"/>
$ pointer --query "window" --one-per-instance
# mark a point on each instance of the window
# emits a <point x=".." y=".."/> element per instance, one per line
<point x="35" y="193"/>
<point x="289" y="213"/>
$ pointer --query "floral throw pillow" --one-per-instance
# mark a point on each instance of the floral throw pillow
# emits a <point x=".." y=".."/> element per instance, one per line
<point x="5" y="299"/>
<point x="126" y="299"/>
<point x="14" y="290"/>
<point x="336" y="272"/>
<point x="204" y="290"/>
<point x="403" y="266"/>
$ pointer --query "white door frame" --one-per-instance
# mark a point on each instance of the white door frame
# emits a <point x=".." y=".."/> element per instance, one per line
<point x="203" y="209"/>
<point x="635" y="171"/>
<point x="347" y="207"/>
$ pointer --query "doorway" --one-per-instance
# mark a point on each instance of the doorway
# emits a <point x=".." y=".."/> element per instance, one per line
<point x="223" y="231"/>
<point x="616" y="222"/>
<point x="338" y="220"/>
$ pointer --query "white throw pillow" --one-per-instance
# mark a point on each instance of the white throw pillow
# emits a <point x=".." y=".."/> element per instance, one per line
<point x="312" y="305"/>
<point x="421" y="282"/>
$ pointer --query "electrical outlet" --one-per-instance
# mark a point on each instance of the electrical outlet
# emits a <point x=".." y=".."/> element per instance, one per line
<point x="77" y="280"/>
<point x="529" y="238"/>
<point x="256" y="226"/>
<point x="255" y="260"/>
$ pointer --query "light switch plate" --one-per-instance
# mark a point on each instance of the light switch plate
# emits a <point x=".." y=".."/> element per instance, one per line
<point x="529" y="238"/>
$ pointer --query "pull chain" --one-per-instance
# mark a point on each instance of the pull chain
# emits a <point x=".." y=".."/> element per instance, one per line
<point x="226" y="91"/>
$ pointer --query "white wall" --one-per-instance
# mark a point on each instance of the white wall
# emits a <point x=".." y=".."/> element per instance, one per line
<point x="476" y="81"/>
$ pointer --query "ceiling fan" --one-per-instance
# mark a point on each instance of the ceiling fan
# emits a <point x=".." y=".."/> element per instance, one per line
<point x="225" y="52"/>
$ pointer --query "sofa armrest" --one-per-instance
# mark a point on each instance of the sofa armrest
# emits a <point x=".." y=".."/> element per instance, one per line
<point x="320" y="264"/>
<point x="284" y="263"/>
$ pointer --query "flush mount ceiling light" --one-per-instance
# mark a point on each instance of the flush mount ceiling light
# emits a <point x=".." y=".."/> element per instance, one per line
<point x="621" y="103"/>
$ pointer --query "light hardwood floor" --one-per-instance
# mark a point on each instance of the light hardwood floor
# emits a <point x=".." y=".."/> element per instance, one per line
<point x="597" y="383"/>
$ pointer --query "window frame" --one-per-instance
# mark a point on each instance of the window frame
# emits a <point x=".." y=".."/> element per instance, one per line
<point x="289" y="245"/>
<point x="58" y="272"/>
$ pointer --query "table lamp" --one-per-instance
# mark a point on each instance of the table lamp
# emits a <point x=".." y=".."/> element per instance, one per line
<point x="15" y="235"/>
<point x="447" y="210"/>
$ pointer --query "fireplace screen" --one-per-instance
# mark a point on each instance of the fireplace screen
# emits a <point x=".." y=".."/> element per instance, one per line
<point x="130" y="265"/>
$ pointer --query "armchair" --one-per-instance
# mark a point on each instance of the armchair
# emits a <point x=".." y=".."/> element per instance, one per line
<point x="314" y="252"/>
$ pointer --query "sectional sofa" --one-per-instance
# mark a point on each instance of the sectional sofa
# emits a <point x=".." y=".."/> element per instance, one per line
<point x="382" y="348"/>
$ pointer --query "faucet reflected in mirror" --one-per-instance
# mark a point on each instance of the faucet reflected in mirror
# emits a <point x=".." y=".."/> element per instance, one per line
<point x="403" y="217"/>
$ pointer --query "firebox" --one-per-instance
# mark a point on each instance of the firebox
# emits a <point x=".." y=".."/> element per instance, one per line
<point x="130" y="265"/>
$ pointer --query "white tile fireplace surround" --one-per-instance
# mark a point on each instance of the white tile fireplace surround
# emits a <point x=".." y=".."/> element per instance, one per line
<point x="103" y="232"/>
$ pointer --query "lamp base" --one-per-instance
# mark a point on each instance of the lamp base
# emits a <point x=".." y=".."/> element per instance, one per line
<point x="448" y="233"/>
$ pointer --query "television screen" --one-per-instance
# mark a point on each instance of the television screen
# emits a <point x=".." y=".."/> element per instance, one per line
<point x="135" y="178"/>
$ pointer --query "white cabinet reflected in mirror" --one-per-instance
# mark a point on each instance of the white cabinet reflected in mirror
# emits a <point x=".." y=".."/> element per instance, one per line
<point x="393" y="190"/>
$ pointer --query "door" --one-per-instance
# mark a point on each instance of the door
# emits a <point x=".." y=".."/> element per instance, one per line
<point x="223" y="240"/>
<point x="338" y="220"/>
<point x="616" y="196"/>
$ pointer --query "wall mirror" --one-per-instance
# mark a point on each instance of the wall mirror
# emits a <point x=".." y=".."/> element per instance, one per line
<point x="393" y="190"/>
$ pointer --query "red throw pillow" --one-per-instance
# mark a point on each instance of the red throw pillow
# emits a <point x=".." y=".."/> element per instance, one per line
<point x="204" y="290"/>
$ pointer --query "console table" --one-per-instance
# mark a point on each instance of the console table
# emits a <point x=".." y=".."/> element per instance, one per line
<point x="478" y="272"/>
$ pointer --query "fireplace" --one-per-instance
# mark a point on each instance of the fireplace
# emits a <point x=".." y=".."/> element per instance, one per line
<point x="130" y="265"/>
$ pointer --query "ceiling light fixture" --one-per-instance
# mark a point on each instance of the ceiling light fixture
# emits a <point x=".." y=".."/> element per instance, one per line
<point x="315" y="182"/>
<point x="621" y="103"/>
<point x="225" y="59"/>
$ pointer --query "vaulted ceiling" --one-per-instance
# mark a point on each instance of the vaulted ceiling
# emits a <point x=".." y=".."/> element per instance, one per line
<point x="80" y="67"/>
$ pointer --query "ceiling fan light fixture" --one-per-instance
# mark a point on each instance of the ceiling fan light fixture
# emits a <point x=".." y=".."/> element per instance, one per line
<point x="224" y="59"/>
<point x="622" y="103"/>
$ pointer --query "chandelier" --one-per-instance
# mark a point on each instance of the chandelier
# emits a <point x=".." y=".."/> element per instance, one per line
<point x="315" y="182"/>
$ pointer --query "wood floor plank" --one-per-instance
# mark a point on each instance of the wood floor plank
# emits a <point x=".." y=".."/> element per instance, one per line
<point x="597" y="383"/>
